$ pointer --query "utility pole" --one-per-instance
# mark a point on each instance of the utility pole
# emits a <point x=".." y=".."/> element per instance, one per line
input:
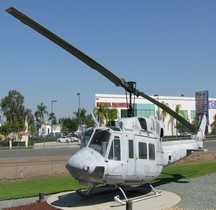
<point x="78" y="94"/>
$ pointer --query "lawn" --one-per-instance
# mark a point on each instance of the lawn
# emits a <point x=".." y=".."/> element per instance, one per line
<point x="50" y="185"/>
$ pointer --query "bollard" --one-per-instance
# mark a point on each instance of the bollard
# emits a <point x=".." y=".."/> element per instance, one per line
<point x="129" y="205"/>
<point x="41" y="197"/>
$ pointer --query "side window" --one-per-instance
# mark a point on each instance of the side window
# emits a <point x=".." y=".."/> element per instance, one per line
<point x="151" y="151"/>
<point x="142" y="150"/>
<point x="131" y="149"/>
<point x="115" y="150"/>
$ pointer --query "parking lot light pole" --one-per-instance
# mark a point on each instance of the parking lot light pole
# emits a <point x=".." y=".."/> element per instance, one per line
<point x="53" y="101"/>
<point x="78" y="94"/>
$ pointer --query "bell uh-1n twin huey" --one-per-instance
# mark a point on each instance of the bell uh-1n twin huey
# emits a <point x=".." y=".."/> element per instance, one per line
<point x="132" y="152"/>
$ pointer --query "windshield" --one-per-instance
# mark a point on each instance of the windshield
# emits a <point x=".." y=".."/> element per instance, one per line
<point x="100" y="141"/>
<point x="86" y="137"/>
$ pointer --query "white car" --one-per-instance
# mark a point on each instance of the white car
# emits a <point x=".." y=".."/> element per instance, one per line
<point x="73" y="137"/>
<point x="64" y="139"/>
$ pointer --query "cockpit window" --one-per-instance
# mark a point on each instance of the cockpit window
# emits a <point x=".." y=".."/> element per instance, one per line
<point x="86" y="137"/>
<point x="100" y="141"/>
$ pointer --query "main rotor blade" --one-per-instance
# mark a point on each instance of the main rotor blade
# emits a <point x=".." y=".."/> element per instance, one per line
<point x="93" y="64"/>
<point x="65" y="45"/>
<point x="170" y="112"/>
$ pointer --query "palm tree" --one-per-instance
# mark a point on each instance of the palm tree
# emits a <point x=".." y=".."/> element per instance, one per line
<point x="41" y="111"/>
<point x="172" y="120"/>
<point x="101" y="113"/>
<point x="52" y="118"/>
<point x="164" y="113"/>
<point x="111" y="115"/>
<point x="178" y="111"/>
<point x="81" y="115"/>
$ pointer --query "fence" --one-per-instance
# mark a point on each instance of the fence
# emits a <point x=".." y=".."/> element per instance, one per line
<point x="45" y="159"/>
<point x="42" y="160"/>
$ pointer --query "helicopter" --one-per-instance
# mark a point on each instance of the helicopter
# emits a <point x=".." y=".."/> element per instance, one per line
<point x="132" y="152"/>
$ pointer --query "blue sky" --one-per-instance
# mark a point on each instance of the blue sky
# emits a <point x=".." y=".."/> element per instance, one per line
<point x="168" y="47"/>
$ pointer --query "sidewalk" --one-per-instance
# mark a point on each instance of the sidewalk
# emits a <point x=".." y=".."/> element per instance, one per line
<point x="49" y="145"/>
<point x="71" y="200"/>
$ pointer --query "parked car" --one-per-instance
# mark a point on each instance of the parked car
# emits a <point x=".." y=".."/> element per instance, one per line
<point x="64" y="139"/>
<point x="73" y="137"/>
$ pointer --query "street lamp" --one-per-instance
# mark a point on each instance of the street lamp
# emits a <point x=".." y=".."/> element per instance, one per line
<point x="53" y="101"/>
<point x="78" y="94"/>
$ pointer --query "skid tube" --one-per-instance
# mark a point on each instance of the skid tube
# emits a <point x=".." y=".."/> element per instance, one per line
<point x="95" y="191"/>
<point x="138" y="198"/>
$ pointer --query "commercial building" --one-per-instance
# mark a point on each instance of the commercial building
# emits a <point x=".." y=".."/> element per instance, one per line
<point x="145" y="108"/>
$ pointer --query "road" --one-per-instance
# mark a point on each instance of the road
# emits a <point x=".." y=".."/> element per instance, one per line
<point x="61" y="149"/>
<point x="54" y="149"/>
<point x="44" y="160"/>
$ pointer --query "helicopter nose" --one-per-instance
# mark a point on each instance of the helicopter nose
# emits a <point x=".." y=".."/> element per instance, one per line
<point x="87" y="166"/>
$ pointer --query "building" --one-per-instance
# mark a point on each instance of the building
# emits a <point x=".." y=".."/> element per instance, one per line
<point x="145" y="108"/>
<point x="45" y="129"/>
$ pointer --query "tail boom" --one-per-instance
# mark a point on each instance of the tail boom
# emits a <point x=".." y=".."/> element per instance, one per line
<point x="174" y="151"/>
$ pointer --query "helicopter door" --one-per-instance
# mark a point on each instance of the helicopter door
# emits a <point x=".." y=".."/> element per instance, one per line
<point x="114" y="163"/>
<point x="131" y="163"/>
<point x="142" y="163"/>
<point x="146" y="164"/>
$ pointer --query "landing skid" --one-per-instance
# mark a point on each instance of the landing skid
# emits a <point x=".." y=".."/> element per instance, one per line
<point x="152" y="194"/>
<point x="95" y="191"/>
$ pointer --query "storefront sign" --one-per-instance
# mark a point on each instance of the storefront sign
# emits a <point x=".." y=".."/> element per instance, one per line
<point x="202" y="104"/>
<point x="114" y="104"/>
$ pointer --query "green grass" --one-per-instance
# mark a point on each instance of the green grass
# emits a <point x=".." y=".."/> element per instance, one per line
<point x="32" y="187"/>
<point x="180" y="171"/>
<point x="50" y="185"/>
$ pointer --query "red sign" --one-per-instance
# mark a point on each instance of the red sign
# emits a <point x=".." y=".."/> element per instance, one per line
<point x="108" y="104"/>
<point x="113" y="104"/>
<point x="119" y="104"/>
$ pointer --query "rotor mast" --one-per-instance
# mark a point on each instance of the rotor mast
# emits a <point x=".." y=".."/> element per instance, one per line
<point x="132" y="86"/>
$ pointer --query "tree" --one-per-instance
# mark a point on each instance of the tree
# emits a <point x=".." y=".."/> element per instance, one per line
<point x="177" y="110"/>
<point x="69" y="125"/>
<point x="164" y="113"/>
<point x="111" y="115"/>
<point x="30" y="120"/>
<point x="6" y="128"/>
<point x="13" y="109"/>
<point x="81" y="116"/>
<point x="89" y="121"/>
<point x="41" y="111"/>
<point x="101" y="113"/>
<point x="52" y="118"/>
<point x="179" y="126"/>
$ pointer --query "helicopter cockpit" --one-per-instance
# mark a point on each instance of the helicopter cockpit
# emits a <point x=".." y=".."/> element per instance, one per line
<point x="86" y="137"/>
<point x="100" y="140"/>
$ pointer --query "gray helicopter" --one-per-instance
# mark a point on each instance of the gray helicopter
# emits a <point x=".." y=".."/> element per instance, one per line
<point x="132" y="152"/>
